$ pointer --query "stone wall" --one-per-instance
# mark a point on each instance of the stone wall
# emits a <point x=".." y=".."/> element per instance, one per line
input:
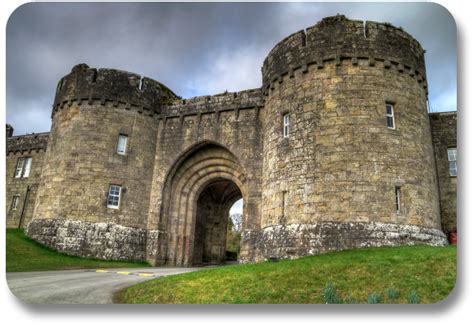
<point x="101" y="240"/>
<point x="297" y="240"/>
<point x="443" y="130"/>
<point x="17" y="147"/>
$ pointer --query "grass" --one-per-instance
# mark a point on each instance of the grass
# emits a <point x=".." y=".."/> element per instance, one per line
<point x="25" y="255"/>
<point x="415" y="274"/>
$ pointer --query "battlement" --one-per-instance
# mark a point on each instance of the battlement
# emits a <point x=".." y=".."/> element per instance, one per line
<point x="27" y="143"/>
<point x="119" y="87"/>
<point x="338" y="38"/>
<point x="251" y="98"/>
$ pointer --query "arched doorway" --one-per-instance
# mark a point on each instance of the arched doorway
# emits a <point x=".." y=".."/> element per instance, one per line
<point x="198" y="194"/>
<point x="211" y="225"/>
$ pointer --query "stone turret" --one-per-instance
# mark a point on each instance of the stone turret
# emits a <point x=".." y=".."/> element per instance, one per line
<point x="91" y="110"/>
<point x="333" y="181"/>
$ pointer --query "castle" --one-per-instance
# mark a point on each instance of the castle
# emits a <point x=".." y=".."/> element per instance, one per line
<point x="335" y="150"/>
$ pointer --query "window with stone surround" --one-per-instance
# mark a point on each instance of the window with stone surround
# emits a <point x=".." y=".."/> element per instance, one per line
<point x="286" y="125"/>
<point x="122" y="144"/>
<point x="23" y="167"/>
<point x="397" y="199"/>
<point x="15" y="201"/>
<point x="452" y="159"/>
<point x="113" y="198"/>
<point x="390" y="116"/>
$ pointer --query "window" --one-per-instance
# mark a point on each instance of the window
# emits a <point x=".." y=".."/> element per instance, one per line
<point x="390" y="116"/>
<point x="397" y="200"/>
<point x="122" y="144"/>
<point x="452" y="159"/>
<point x="15" y="201"/>
<point x="285" y="204"/>
<point x="286" y="125"/>
<point x="113" y="199"/>
<point x="23" y="167"/>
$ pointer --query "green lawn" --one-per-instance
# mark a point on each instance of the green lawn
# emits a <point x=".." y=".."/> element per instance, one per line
<point x="429" y="273"/>
<point x="24" y="254"/>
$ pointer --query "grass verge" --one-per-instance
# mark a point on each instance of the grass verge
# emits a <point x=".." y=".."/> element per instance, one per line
<point x="25" y="255"/>
<point x="373" y="275"/>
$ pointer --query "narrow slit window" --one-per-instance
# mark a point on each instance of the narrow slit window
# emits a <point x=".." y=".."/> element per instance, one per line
<point x="397" y="200"/>
<point x="23" y="167"/>
<point x="285" y="204"/>
<point x="390" y="116"/>
<point x="122" y="144"/>
<point x="286" y="125"/>
<point x="452" y="159"/>
<point x="15" y="201"/>
<point x="113" y="198"/>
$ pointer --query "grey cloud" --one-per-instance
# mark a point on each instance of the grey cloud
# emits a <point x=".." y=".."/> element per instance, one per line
<point x="195" y="49"/>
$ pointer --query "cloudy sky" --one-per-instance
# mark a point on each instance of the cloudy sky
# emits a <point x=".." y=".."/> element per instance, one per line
<point x="195" y="49"/>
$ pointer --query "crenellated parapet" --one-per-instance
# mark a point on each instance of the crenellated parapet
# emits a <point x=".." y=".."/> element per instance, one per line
<point x="27" y="143"/>
<point x="227" y="101"/>
<point x="337" y="38"/>
<point x="123" y="88"/>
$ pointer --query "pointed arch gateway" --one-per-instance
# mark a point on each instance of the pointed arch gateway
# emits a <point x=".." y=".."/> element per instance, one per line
<point x="199" y="191"/>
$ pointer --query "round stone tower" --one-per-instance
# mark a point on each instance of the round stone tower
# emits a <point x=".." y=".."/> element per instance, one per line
<point x="347" y="154"/>
<point x="103" y="134"/>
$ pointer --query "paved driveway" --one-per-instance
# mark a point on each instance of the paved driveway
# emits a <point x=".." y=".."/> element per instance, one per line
<point x="81" y="286"/>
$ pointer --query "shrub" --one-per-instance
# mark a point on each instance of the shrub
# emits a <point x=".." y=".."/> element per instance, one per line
<point x="413" y="298"/>
<point x="330" y="295"/>
<point x="374" y="298"/>
<point x="392" y="294"/>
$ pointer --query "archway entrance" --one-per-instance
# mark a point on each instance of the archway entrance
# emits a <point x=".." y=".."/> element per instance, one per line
<point x="198" y="194"/>
<point x="212" y="220"/>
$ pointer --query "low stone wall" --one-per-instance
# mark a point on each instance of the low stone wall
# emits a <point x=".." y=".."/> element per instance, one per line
<point x="297" y="240"/>
<point x="100" y="240"/>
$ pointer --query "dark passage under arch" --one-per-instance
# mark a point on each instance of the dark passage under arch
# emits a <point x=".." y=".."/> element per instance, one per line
<point x="212" y="215"/>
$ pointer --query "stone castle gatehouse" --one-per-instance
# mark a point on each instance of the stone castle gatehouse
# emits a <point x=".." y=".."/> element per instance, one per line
<point x="335" y="150"/>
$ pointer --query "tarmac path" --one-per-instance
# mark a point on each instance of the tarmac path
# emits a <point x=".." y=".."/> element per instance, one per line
<point x="95" y="286"/>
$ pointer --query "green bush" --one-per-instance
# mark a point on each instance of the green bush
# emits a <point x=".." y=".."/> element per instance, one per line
<point x="413" y="298"/>
<point x="392" y="294"/>
<point x="330" y="295"/>
<point x="374" y="298"/>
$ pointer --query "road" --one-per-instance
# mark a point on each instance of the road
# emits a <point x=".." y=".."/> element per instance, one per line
<point x="81" y="286"/>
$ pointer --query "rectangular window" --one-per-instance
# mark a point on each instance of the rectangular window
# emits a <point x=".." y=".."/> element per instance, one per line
<point x="23" y="167"/>
<point x="113" y="199"/>
<point x="122" y="144"/>
<point x="452" y="159"/>
<point x="286" y="125"/>
<point x="390" y="116"/>
<point x="397" y="200"/>
<point x="15" y="201"/>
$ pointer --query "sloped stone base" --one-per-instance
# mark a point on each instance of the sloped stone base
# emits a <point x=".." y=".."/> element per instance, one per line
<point x="297" y="240"/>
<point x="101" y="240"/>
